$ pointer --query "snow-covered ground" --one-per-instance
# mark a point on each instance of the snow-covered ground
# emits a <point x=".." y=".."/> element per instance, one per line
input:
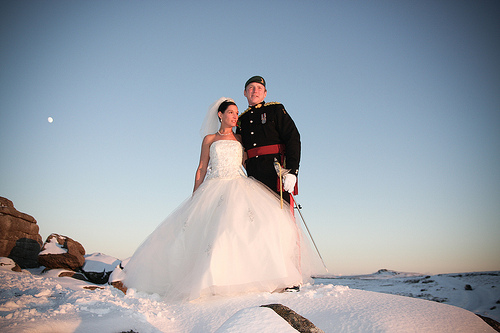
<point x="34" y="302"/>
<point x="478" y="292"/>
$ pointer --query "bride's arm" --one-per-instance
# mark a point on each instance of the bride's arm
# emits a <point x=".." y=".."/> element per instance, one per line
<point x="245" y="157"/>
<point x="204" y="158"/>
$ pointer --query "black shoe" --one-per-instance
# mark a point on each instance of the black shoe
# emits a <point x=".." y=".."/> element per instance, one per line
<point x="293" y="289"/>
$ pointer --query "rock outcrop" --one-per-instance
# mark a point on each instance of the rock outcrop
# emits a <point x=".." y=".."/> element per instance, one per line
<point x="19" y="237"/>
<point x="61" y="252"/>
<point x="298" y="322"/>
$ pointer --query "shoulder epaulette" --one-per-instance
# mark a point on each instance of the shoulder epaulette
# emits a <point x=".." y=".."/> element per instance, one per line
<point x="276" y="103"/>
<point x="243" y="112"/>
<point x="266" y="104"/>
<point x="271" y="103"/>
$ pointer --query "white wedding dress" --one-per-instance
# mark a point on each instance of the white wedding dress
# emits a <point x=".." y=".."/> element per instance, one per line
<point x="230" y="237"/>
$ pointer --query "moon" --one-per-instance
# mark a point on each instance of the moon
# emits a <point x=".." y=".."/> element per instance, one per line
<point x="50" y="119"/>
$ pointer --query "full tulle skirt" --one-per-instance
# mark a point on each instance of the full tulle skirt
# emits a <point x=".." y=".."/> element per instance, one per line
<point x="230" y="237"/>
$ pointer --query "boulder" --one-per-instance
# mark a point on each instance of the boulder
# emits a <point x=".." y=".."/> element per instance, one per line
<point x="19" y="237"/>
<point x="61" y="252"/>
<point x="98" y="267"/>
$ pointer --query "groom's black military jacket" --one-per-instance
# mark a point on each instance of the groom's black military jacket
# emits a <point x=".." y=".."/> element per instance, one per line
<point x="267" y="124"/>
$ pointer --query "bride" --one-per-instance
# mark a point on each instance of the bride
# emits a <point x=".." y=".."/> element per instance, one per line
<point x="230" y="236"/>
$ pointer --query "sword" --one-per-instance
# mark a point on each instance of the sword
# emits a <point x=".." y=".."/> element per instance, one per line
<point x="281" y="173"/>
<point x="299" y="208"/>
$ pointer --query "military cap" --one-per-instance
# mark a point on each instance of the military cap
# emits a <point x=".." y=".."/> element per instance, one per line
<point x="258" y="79"/>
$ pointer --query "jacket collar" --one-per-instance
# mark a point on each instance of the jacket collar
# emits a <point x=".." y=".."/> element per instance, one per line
<point x="256" y="106"/>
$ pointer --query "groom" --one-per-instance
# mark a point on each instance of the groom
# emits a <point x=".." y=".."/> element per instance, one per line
<point x="269" y="133"/>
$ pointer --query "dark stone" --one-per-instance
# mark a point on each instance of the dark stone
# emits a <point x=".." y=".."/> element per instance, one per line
<point x="298" y="322"/>
<point x="120" y="286"/>
<point x="468" y="287"/>
<point x="74" y="275"/>
<point x="25" y="252"/>
<point x="98" y="278"/>
<point x="16" y="268"/>
<point x="92" y="287"/>
<point x="492" y="322"/>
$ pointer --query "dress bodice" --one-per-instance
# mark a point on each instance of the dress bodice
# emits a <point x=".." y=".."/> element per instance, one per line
<point x="225" y="160"/>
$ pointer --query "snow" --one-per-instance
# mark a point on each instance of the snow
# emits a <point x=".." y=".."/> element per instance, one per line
<point x="483" y="299"/>
<point x="32" y="301"/>
<point x="98" y="262"/>
<point x="52" y="247"/>
<point x="255" y="319"/>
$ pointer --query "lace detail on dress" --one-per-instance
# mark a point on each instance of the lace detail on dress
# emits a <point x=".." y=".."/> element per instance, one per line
<point x="225" y="160"/>
<point x="250" y="215"/>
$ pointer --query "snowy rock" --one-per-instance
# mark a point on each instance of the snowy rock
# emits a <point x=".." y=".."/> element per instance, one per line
<point x="118" y="274"/>
<point x="61" y="252"/>
<point x="98" y="262"/>
<point x="9" y="264"/>
<point x="19" y="237"/>
<point x="298" y="322"/>
<point x="98" y="267"/>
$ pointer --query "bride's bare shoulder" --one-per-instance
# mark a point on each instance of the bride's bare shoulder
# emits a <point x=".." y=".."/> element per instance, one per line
<point x="209" y="139"/>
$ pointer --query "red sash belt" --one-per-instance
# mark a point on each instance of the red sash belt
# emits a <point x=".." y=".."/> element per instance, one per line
<point x="266" y="150"/>
<point x="270" y="150"/>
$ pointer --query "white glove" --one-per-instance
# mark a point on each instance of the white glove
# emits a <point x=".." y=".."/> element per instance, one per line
<point x="289" y="182"/>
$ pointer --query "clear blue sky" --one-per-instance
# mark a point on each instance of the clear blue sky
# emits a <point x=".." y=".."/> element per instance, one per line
<point x="397" y="102"/>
